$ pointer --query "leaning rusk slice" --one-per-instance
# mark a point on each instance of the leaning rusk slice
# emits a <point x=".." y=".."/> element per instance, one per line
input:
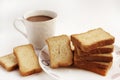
<point x="27" y="59"/>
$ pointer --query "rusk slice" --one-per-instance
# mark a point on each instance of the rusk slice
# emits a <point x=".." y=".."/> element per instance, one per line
<point x="97" y="67"/>
<point x="94" y="57"/>
<point x="27" y="60"/>
<point x="100" y="50"/>
<point x="92" y="39"/>
<point x="60" y="51"/>
<point x="9" y="62"/>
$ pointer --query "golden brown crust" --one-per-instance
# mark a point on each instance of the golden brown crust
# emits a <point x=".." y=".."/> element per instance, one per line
<point x="30" y="72"/>
<point x="90" y="58"/>
<point x="96" y="68"/>
<point x="99" y="50"/>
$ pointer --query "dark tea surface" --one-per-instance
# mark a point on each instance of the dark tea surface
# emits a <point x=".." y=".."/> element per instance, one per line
<point x="39" y="18"/>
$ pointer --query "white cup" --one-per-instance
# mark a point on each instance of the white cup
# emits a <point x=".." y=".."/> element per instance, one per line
<point x="37" y="31"/>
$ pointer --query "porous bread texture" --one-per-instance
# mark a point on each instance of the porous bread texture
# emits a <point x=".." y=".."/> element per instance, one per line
<point x="9" y="62"/>
<point x="92" y="39"/>
<point x="27" y="60"/>
<point x="60" y="51"/>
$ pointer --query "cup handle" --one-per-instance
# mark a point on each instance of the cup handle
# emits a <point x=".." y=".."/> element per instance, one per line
<point x="16" y="26"/>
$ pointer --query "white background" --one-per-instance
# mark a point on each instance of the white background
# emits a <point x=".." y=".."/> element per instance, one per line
<point x="74" y="16"/>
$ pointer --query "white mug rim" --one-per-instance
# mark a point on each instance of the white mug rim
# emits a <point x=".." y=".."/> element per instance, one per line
<point x="25" y="16"/>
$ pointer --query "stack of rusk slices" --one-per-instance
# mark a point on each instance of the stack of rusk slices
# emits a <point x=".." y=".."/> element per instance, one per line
<point x="93" y="50"/>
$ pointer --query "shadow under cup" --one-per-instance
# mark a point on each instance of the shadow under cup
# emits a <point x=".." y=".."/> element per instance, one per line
<point x="39" y="25"/>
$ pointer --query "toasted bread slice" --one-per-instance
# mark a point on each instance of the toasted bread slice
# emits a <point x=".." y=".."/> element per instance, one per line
<point x="9" y="62"/>
<point x="94" y="57"/>
<point x="92" y="39"/>
<point x="60" y="51"/>
<point x="27" y="60"/>
<point x="100" y="50"/>
<point x="97" y="67"/>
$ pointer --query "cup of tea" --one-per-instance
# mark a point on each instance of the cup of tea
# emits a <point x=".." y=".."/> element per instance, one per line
<point x="39" y="25"/>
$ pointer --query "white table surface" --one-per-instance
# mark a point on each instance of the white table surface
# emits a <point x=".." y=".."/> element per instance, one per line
<point x="74" y="16"/>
